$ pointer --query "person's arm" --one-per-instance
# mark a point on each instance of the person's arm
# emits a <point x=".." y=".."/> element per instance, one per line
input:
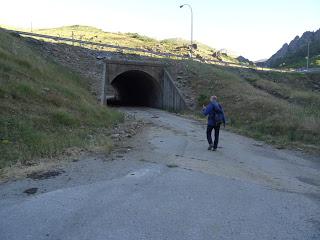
<point x="206" y="110"/>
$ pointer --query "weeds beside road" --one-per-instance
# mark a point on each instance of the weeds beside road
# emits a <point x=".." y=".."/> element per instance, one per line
<point x="280" y="108"/>
<point x="44" y="107"/>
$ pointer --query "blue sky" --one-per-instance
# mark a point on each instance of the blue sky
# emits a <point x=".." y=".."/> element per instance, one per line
<point x="254" y="29"/>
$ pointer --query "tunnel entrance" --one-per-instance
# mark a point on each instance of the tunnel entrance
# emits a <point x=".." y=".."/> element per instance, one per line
<point x="136" y="88"/>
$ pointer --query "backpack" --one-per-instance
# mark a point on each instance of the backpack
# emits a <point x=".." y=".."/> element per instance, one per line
<point x="217" y="115"/>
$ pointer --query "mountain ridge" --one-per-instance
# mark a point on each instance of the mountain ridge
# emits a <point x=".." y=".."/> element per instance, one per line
<point x="294" y="54"/>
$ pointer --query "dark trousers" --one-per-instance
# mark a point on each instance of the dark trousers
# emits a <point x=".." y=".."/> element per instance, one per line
<point x="216" y="134"/>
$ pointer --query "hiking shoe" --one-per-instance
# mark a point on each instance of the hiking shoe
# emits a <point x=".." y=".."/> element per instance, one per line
<point x="214" y="149"/>
<point x="210" y="147"/>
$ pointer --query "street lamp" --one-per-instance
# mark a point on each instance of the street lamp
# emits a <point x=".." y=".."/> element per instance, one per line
<point x="308" y="55"/>
<point x="181" y="6"/>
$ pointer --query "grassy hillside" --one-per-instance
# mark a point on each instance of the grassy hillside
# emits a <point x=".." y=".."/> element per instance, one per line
<point x="281" y="108"/>
<point x="301" y="62"/>
<point x="174" y="45"/>
<point x="298" y="61"/>
<point x="44" y="107"/>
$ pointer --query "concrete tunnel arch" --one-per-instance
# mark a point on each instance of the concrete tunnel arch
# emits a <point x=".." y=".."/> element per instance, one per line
<point x="140" y="83"/>
<point x="136" y="88"/>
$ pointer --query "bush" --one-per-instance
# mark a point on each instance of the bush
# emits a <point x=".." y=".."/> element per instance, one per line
<point x="203" y="99"/>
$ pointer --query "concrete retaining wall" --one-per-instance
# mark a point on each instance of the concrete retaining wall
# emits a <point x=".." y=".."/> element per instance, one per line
<point x="172" y="99"/>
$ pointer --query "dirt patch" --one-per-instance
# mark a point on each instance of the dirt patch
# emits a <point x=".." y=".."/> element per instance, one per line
<point x="40" y="169"/>
<point x="172" y="165"/>
<point x="30" y="191"/>
<point x="44" y="175"/>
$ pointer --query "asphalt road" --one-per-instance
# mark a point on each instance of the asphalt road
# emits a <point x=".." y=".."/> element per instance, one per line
<point x="164" y="184"/>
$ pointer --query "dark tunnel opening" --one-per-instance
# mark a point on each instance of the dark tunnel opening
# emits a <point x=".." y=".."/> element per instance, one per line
<point x="136" y="88"/>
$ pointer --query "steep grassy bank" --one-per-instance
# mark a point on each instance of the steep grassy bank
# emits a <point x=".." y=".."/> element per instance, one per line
<point x="44" y="107"/>
<point x="281" y="108"/>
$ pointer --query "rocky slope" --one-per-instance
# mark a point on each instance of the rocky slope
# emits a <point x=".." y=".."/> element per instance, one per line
<point x="244" y="60"/>
<point x="134" y="40"/>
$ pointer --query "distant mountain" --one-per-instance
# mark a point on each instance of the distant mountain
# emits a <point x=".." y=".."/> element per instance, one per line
<point x="261" y="62"/>
<point x="294" y="54"/>
<point x="242" y="59"/>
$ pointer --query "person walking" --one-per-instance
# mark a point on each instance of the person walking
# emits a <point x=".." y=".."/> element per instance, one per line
<point x="216" y="117"/>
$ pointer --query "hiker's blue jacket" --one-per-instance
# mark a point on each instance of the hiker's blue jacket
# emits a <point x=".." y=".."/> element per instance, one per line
<point x="213" y="108"/>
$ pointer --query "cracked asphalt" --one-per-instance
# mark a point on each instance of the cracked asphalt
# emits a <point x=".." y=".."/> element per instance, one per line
<point x="164" y="184"/>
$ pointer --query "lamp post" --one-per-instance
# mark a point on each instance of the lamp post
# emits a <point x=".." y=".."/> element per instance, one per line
<point x="181" y="6"/>
<point x="308" y="55"/>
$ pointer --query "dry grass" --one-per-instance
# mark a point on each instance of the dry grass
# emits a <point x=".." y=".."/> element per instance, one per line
<point x="134" y="40"/>
<point x="273" y="107"/>
<point x="19" y="170"/>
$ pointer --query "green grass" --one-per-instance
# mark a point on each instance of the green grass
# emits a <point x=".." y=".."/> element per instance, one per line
<point x="273" y="106"/>
<point x="276" y="107"/>
<point x="300" y="62"/>
<point x="45" y="108"/>
<point x="279" y="108"/>
<point x="297" y="59"/>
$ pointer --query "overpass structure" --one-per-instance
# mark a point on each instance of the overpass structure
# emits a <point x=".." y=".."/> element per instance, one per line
<point x="141" y="83"/>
